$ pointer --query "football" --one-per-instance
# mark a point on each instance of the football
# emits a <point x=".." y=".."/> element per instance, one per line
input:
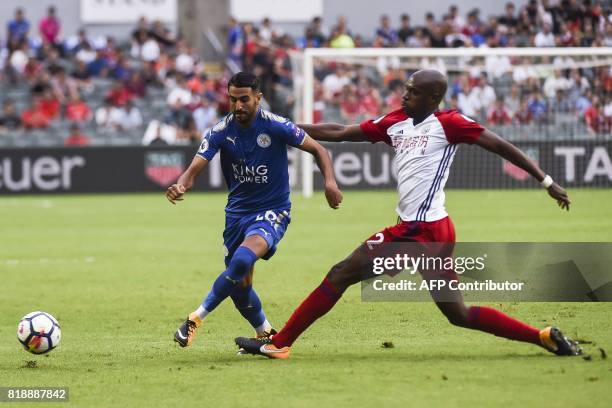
<point x="39" y="332"/>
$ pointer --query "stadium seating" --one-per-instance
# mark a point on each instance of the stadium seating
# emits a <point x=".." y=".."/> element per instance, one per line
<point x="266" y="49"/>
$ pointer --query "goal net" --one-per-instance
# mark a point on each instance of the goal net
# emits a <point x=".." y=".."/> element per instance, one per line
<point x="553" y="103"/>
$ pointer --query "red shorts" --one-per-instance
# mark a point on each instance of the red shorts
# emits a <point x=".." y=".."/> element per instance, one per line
<point x="418" y="231"/>
<point x="436" y="239"/>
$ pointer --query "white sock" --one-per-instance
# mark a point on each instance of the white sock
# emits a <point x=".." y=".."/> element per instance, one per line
<point x="201" y="312"/>
<point x="265" y="327"/>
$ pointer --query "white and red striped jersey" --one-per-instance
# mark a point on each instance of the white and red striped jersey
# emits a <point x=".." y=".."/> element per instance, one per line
<point x="423" y="156"/>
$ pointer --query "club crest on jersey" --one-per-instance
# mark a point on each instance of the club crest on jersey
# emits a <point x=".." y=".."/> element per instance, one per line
<point x="203" y="146"/>
<point x="264" y="140"/>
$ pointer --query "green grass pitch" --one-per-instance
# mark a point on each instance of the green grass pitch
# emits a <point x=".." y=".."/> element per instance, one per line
<point x="120" y="272"/>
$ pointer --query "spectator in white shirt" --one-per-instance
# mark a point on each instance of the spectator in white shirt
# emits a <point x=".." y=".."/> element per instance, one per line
<point x="145" y="48"/>
<point x="86" y="54"/>
<point x="523" y="72"/>
<point x="545" y="38"/>
<point x="205" y="116"/>
<point x="106" y="116"/>
<point x="158" y="132"/>
<point x="180" y="95"/>
<point x="129" y="117"/>
<point x="497" y="65"/>
<point x="484" y="93"/>
<point x="468" y="102"/>
<point x="19" y="58"/>
<point x="185" y="62"/>
<point x="556" y="83"/>
<point x="334" y="82"/>
<point x="267" y="32"/>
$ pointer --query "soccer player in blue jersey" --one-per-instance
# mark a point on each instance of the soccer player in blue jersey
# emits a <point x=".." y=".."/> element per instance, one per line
<point x="253" y="146"/>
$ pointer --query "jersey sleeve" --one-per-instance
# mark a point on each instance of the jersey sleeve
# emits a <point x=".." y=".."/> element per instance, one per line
<point x="459" y="128"/>
<point x="376" y="129"/>
<point x="292" y="134"/>
<point x="210" y="145"/>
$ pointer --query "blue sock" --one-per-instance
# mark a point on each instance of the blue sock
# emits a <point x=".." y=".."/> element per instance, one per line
<point x="248" y="304"/>
<point x="241" y="263"/>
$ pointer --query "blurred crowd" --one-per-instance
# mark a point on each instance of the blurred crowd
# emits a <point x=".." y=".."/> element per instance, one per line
<point x="104" y="90"/>
<point x="496" y="90"/>
<point x="153" y="88"/>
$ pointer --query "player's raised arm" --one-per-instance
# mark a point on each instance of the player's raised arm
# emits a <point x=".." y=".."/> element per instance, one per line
<point x="494" y="143"/>
<point x="332" y="192"/>
<point x="176" y="191"/>
<point x="333" y="132"/>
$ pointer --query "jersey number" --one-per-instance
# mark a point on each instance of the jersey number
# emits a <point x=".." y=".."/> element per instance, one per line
<point x="273" y="218"/>
<point x="269" y="216"/>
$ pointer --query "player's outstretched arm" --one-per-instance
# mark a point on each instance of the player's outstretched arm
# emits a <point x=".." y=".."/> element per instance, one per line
<point x="333" y="132"/>
<point x="332" y="192"/>
<point x="176" y="191"/>
<point x="494" y="143"/>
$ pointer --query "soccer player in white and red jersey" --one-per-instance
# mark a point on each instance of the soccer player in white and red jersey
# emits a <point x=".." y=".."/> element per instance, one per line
<point x="425" y="141"/>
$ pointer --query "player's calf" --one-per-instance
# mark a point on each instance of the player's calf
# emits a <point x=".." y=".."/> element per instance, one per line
<point x="457" y="313"/>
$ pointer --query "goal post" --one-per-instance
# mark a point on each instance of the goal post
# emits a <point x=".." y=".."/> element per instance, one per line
<point x="539" y="62"/>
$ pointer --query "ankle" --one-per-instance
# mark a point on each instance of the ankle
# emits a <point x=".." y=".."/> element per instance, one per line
<point x="195" y="318"/>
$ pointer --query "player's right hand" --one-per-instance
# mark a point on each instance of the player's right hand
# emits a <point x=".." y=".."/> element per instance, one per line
<point x="175" y="193"/>
<point x="333" y="195"/>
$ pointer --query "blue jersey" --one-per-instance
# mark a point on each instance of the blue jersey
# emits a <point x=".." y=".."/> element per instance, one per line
<point x="254" y="160"/>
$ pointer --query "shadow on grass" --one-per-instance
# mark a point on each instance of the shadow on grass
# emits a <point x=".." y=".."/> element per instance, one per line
<point x="364" y="357"/>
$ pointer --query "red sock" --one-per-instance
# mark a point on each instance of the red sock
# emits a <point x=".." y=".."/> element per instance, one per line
<point x="319" y="302"/>
<point x="495" y="322"/>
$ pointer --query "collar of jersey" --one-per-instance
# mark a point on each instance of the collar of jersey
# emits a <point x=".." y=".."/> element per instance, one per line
<point x="252" y="127"/>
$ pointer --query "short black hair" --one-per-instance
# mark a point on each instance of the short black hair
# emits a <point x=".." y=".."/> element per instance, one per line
<point x="244" y="80"/>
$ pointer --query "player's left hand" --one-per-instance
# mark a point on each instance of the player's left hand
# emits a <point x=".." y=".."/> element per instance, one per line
<point x="333" y="195"/>
<point x="558" y="193"/>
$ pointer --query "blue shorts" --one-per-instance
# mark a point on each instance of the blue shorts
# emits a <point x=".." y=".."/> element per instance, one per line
<point x="270" y="225"/>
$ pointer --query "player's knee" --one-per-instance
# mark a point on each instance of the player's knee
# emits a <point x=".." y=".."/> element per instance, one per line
<point x="241" y="264"/>
<point x="335" y="271"/>
<point x="247" y="281"/>
<point x="340" y="275"/>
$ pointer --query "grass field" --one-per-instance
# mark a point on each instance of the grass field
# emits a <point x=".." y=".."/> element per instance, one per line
<point x="120" y="272"/>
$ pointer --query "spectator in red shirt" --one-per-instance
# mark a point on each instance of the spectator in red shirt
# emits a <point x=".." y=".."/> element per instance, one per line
<point x="77" y="110"/>
<point x="594" y="117"/>
<point x="50" y="26"/>
<point x="76" y="137"/>
<point x="498" y="114"/>
<point x="135" y="85"/>
<point x="370" y="100"/>
<point x="350" y="108"/>
<point x="32" y="70"/>
<point x="523" y="115"/>
<point x="49" y="104"/>
<point x="118" y="95"/>
<point x="34" y="117"/>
